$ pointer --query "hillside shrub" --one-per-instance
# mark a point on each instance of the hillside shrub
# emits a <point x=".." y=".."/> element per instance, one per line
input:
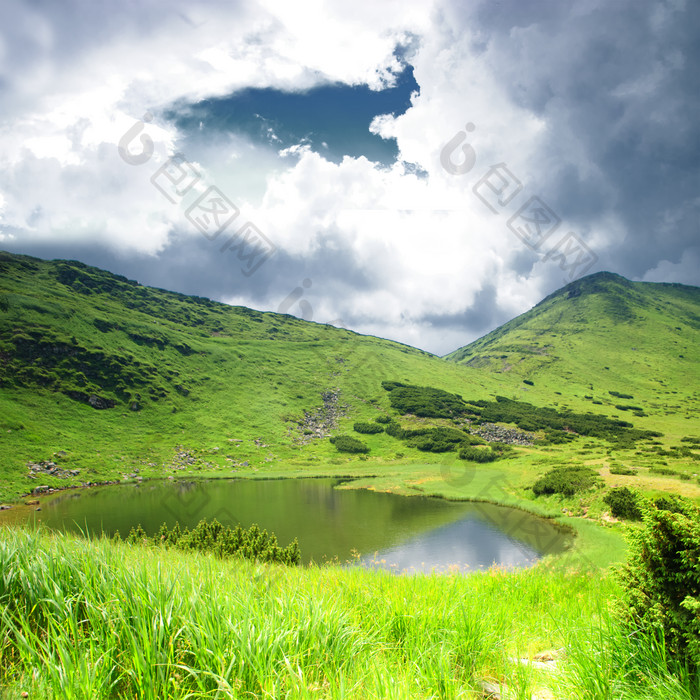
<point x="661" y="579"/>
<point x="618" y="395"/>
<point x="663" y="471"/>
<point x="563" y="423"/>
<point x="383" y="419"/>
<point x="555" y="437"/>
<point x="424" y="401"/>
<point x="394" y="429"/>
<point x="437" y="439"/>
<point x="672" y="503"/>
<point x="345" y="443"/>
<point x="621" y="470"/>
<point x="367" y="428"/>
<point x="527" y="381"/>
<point x="478" y="454"/>
<point x="470" y="439"/>
<point x="566" y="481"/>
<point x="624" y="503"/>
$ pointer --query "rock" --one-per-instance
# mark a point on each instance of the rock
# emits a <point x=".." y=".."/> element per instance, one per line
<point x="31" y="503"/>
<point x="134" y="406"/>
<point x="5" y="507"/>
<point x="548" y="655"/>
<point x="41" y="489"/>
<point x="497" y="433"/>
<point x="490" y="690"/>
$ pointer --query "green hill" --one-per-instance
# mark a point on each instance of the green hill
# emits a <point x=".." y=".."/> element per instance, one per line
<point x="102" y="378"/>
<point x="599" y="337"/>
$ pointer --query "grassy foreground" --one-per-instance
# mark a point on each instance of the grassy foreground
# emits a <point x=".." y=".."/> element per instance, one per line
<point x="95" y="619"/>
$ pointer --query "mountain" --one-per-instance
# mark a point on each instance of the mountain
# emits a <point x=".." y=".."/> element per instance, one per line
<point x="119" y="376"/>
<point x="601" y="334"/>
<point x="102" y="378"/>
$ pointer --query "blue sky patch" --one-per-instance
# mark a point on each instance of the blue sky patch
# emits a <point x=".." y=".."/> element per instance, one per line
<point x="333" y="119"/>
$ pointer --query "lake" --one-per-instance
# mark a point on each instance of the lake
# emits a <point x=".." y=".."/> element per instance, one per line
<point x="373" y="529"/>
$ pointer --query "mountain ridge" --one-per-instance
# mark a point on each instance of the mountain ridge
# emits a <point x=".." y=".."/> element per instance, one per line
<point x="108" y="379"/>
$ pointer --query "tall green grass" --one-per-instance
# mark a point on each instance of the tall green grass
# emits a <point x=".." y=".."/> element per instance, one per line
<point x="95" y="619"/>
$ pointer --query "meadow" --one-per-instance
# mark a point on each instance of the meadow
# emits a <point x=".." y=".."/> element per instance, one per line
<point x="102" y="379"/>
<point x="97" y="619"/>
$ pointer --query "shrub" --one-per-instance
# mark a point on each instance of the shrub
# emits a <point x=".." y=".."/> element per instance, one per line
<point x="566" y="481"/>
<point x="624" y="503"/>
<point x="345" y="443"/>
<point x="555" y="437"/>
<point x="473" y="440"/>
<point x="424" y="401"/>
<point x="476" y="454"/>
<point x="663" y="470"/>
<point x="622" y="471"/>
<point x="394" y="429"/>
<point x="367" y="428"/>
<point x="618" y="395"/>
<point x="223" y="541"/>
<point x="672" y="503"/>
<point x="383" y="419"/>
<point x="660" y="579"/>
<point x="527" y="381"/>
<point x="436" y="439"/>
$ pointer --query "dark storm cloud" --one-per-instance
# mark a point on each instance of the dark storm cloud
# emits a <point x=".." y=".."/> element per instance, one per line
<point x="619" y="84"/>
<point x="193" y="265"/>
<point x="482" y="315"/>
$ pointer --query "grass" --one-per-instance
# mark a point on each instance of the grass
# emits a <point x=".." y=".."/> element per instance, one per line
<point x="97" y="619"/>
<point x="228" y="388"/>
<point x="212" y="379"/>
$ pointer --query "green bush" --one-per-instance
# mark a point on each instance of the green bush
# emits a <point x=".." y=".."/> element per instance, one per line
<point x="663" y="470"/>
<point x="624" y="503"/>
<point x="473" y="440"/>
<point x="566" y="481"/>
<point x="555" y="437"/>
<point x="424" y="401"/>
<point x="672" y="503"/>
<point x="367" y="428"/>
<point x="622" y="471"/>
<point x="527" y="381"/>
<point x="252" y="543"/>
<point x="560" y="425"/>
<point x="661" y="579"/>
<point x="436" y="439"/>
<point x="618" y="395"/>
<point x="394" y="429"/>
<point x="476" y="454"/>
<point x="383" y="419"/>
<point x="345" y="443"/>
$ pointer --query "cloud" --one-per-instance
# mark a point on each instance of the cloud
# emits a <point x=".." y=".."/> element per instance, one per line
<point x="590" y="105"/>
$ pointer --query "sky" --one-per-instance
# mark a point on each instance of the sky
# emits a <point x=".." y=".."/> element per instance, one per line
<point x="419" y="170"/>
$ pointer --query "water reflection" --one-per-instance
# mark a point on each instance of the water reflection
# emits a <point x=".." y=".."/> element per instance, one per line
<point x="377" y="529"/>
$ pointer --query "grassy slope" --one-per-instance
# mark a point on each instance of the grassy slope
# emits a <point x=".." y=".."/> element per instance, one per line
<point x="603" y="333"/>
<point x="211" y="379"/>
<point x="250" y="375"/>
<point x="193" y="626"/>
